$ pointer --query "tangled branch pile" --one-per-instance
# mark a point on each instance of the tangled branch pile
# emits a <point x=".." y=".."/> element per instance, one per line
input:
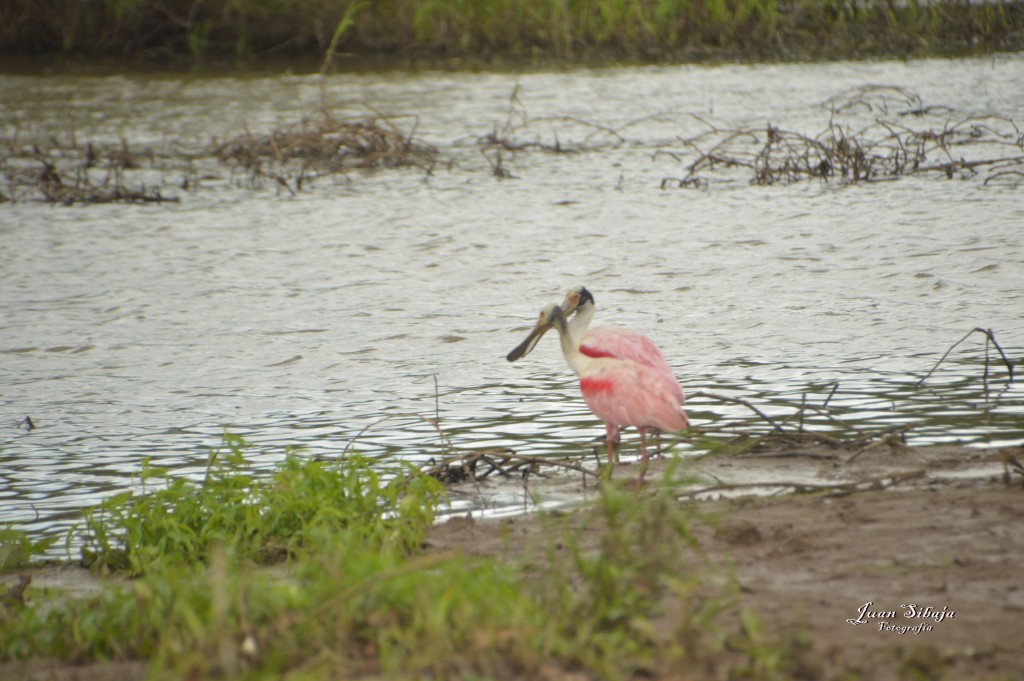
<point x="60" y="169"/>
<point x="325" y="145"/>
<point x="67" y="172"/>
<point x="886" y="146"/>
<point x="873" y="133"/>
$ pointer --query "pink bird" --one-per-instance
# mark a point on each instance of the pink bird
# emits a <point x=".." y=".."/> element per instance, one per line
<point x="607" y="341"/>
<point x="620" y="392"/>
<point x="612" y="341"/>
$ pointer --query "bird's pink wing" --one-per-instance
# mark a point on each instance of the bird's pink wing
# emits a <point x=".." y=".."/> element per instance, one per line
<point x="626" y="393"/>
<point x="611" y="341"/>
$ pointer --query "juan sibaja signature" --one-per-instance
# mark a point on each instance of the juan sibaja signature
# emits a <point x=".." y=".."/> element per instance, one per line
<point x="888" y="620"/>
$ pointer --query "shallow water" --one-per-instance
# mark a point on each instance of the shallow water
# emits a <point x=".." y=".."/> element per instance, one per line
<point x="360" y="308"/>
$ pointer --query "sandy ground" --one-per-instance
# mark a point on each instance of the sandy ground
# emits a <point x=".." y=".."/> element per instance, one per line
<point x="906" y="563"/>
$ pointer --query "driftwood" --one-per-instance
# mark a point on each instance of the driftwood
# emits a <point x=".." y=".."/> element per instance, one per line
<point x="92" y="175"/>
<point x="902" y="136"/>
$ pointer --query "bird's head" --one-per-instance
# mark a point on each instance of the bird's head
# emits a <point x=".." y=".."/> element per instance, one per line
<point x="551" y="315"/>
<point x="577" y="297"/>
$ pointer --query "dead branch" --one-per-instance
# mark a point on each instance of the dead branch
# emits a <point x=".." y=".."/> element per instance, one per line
<point x="990" y="338"/>
<point x="518" y="122"/>
<point x="737" y="400"/>
<point x="504" y="462"/>
<point x="325" y="145"/>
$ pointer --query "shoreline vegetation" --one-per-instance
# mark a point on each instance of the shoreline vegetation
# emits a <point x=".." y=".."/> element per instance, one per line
<point x="336" y="569"/>
<point x="496" y="31"/>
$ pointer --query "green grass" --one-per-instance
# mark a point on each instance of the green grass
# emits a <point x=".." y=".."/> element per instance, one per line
<point x="17" y="549"/>
<point x="263" y="518"/>
<point x="516" y="29"/>
<point x="620" y="591"/>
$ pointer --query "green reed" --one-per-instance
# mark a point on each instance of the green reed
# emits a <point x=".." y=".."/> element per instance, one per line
<point x="549" y="29"/>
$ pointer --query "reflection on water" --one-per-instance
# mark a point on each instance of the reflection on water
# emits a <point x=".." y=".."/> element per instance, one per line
<point x="353" y="314"/>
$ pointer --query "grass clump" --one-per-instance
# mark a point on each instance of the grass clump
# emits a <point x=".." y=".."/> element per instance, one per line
<point x="610" y="599"/>
<point x="263" y="518"/>
<point x="17" y="548"/>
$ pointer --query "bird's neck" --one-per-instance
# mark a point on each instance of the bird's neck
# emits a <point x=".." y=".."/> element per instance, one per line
<point x="577" y="361"/>
<point x="580" y="323"/>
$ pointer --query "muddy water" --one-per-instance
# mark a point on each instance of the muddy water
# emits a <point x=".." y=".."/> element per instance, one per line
<point x="360" y="308"/>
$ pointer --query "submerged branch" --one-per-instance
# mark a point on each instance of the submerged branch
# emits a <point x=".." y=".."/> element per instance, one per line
<point x="745" y="403"/>
<point x="990" y="340"/>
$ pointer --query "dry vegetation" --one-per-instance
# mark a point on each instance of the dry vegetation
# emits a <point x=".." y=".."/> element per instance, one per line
<point x="64" y="171"/>
<point x="895" y="135"/>
<point x="293" y="155"/>
<point x="905" y="137"/>
<point x="61" y="169"/>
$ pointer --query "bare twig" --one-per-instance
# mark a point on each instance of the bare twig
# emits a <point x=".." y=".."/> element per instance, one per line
<point x="517" y="121"/>
<point x="835" y="386"/>
<point x="989" y="338"/>
<point x="737" y="400"/>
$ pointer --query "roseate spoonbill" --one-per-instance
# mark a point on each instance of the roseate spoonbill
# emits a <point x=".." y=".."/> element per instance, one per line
<point x="607" y="341"/>
<point x="612" y="341"/>
<point x="620" y="392"/>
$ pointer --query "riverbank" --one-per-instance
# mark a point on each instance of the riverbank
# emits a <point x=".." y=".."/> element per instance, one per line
<point x="507" y="31"/>
<point x="902" y="563"/>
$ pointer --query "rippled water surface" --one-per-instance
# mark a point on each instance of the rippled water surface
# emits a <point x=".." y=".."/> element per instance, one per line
<point x="146" y="330"/>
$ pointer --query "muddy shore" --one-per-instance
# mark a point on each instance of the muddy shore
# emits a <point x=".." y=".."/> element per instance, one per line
<point x="934" y="554"/>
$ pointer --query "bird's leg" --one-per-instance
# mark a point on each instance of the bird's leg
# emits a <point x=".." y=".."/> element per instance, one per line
<point x="643" y="457"/>
<point x="606" y="472"/>
<point x="612" y="433"/>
